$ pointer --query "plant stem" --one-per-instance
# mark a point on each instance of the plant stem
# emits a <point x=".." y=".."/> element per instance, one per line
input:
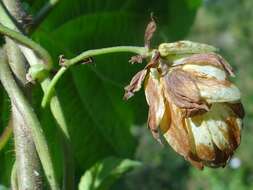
<point x="87" y="54"/>
<point x="49" y="91"/>
<point x="27" y="161"/>
<point x="27" y="113"/>
<point x="44" y="55"/>
<point x="69" y="170"/>
<point x="108" y="50"/>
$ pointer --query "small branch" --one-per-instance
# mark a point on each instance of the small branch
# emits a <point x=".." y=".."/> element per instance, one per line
<point x="22" y="39"/>
<point x="90" y="53"/>
<point x="42" y="14"/>
<point x="109" y="50"/>
<point x="24" y="109"/>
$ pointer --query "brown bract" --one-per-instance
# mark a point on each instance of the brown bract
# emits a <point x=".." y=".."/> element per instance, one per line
<point x="135" y="84"/>
<point x="150" y="30"/>
<point x="193" y="106"/>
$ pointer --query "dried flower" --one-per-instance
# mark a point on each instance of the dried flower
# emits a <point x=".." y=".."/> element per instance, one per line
<point x="192" y="103"/>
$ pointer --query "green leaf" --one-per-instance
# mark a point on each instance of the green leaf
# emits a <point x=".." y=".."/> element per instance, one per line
<point x="7" y="153"/>
<point x="104" y="173"/>
<point x="97" y="117"/>
<point x="3" y="187"/>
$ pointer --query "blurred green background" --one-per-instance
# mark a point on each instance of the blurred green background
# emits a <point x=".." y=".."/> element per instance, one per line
<point x="101" y="124"/>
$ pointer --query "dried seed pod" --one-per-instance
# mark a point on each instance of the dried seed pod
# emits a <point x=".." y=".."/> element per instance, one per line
<point x="193" y="105"/>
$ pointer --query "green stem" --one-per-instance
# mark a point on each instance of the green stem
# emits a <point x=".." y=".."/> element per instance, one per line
<point x="27" y="112"/>
<point x="54" y="105"/>
<point x="90" y="53"/>
<point x="95" y="52"/>
<point x="20" y="38"/>
<point x="50" y="89"/>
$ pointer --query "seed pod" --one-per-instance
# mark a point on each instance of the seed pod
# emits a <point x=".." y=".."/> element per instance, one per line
<point x="193" y="104"/>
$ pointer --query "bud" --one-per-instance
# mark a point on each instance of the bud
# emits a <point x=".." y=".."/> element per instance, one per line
<point x="193" y="105"/>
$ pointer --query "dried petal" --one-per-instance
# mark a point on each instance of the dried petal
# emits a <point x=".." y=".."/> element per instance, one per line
<point x="216" y="134"/>
<point x="176" y="134"/>
<point x="205" y="59"/>
<point x="237" y="109"/>
<point x="204" y="148"/>
<point x="227" y="67"/>
<point x="195" y="161"/>
<point x="135" y="84"/>
<point x="205" y="71"/>
<point x="183" y="91"/>
<point x="213" y="90"/>
<point x="154" y="97"/>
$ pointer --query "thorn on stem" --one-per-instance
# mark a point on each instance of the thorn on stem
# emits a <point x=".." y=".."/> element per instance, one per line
<point x="88" y="61"/>
<point x="62" y="60"/>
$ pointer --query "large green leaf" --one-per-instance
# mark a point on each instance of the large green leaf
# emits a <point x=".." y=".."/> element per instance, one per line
<point x="6" y="154"/>
<point x="104" y="173"/>
<point x="3" y="187"/>
<point x="98" y="120"/>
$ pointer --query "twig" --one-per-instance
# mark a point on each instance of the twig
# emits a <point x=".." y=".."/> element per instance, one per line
<point x="85" y="55"/>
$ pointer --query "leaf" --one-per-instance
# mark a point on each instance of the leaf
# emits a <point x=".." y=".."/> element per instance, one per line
<point x="90" y="123"/>
<point x="104" y="173"/>
<point x="7" y="153"/>
<point x="91" y="96"/>
<point x="3" y="187"/>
